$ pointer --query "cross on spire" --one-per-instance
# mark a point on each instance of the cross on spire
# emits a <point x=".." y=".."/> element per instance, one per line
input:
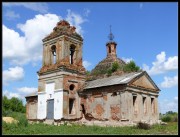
<point x="111" y="36"/>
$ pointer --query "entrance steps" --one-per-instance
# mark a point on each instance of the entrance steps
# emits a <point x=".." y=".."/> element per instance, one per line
<point x="49" y="121"/>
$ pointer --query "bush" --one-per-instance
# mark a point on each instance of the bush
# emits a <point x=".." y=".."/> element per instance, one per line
<point x="175" y="119"/>
<point x="131" y="67"/>
<point x="115" y="66"/>
<point x="142" y="125"/>
<point x="166" y="118"/>
<point x="109" y="72"/>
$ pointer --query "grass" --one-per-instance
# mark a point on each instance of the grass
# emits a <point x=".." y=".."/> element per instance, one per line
<point x="23" y="128"/>
<point x="40" y="129"/>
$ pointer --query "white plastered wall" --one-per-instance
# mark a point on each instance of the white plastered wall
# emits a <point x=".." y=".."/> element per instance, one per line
<point x="58" y="104"/>
<point x="42" y="105"/>
<point x="50" y="90"/>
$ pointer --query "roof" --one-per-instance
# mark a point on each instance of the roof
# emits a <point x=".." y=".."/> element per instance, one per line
<point x="113" y="80"/>
<point x="31" y="95"/>
<point x="63" y="28"/>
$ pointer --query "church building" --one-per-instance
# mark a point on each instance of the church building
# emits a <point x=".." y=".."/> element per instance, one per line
<point x="65" y="94"/>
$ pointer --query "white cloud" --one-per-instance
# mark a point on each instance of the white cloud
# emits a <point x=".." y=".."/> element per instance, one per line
<point x="11" y="15"/>
<point x="20" y="93"/>
<point x="13" y="74"/>
<point x="162" y="64"/>
<point x="86" y="64"/>
<point x="169" y="82"/>
<point x="27" y="90"/>
<point x="75" y="20"/>
<point x="170" y="105"/>
<point x="86" y="12"/>
<point x="40" y="7"/>
<point x="19" y="49"/>
<point x="127" y="60"/>
<point x="9" y="95"/>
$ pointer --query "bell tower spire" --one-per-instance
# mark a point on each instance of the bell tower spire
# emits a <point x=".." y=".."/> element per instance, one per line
<point x="111" y="45"/>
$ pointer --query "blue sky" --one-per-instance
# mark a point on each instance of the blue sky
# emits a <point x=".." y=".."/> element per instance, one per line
<point x="145" y="32"/>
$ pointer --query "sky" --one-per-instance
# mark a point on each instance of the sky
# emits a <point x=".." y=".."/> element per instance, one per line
<point x="146" y="32"/>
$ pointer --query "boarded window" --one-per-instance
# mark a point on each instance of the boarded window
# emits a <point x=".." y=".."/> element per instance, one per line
<point x="71" y="106"/>
<point x="152" y="106"/>
<point x="145" y="105"/>
<point x="135" y="106"/>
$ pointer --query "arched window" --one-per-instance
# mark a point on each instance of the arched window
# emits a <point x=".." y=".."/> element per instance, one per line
<point x="53" y="50"/>
<point x="72" y="50"/>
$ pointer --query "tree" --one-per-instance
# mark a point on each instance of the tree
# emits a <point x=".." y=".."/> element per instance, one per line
<point x="13" y="104"/>
<point x="131" y="67"/>
<point x="6" y="103"/>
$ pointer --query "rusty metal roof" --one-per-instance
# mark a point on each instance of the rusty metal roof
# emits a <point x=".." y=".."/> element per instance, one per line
<point x="113" y="80"/>
<point x="32" y="94"/>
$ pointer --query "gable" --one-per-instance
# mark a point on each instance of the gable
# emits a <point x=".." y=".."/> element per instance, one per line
<point x="144" y="81"/>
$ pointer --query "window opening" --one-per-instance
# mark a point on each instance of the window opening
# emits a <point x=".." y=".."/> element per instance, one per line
<point x="109" y="49"/>
<point x="72" y="50"/>
<point x="152" y="105"/>
<point x="53" y="50"/>
<point x="71" y="106"/>
<point x="135" y="104"/>
<point x="83" y="109"/>
<point x="71" y="87"/>
<point x="144" y="105"/>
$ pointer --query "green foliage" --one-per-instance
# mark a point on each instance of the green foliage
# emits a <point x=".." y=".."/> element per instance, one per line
<point x="42" y="129"/>
<point x="13" y="104"/>
<point x="109" y="72"/>
<point x="115" y="66"/>
<point x="166" y="118"/>
<point x="88" y="73"/>
<point x="170" y="116"/>
<point x="131" y="67"/>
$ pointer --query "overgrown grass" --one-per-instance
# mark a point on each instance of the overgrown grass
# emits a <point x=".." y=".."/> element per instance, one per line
<point x="23" y="128"/>
<point x="39" y="129"/>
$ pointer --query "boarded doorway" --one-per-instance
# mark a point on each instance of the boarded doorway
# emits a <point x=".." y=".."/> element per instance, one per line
<point x="50" y="109"/>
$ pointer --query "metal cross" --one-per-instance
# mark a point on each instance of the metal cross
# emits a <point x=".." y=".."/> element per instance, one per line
<point x="111" y="36"/>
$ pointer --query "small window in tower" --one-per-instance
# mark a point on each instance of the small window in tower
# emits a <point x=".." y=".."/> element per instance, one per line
<point x="71" y="87"/>
<point x="53" y="50"/>
<point x="109" y="49"/>
<point x="72" y="50"/>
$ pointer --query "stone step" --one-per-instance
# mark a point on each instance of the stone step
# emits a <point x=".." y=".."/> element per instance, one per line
<point x="49" y="121"/>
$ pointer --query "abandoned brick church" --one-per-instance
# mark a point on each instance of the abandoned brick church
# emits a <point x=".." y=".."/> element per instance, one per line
<point x="65" y="93"/>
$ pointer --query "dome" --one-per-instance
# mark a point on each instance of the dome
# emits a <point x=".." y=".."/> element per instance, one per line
<point x="106" y="63"/>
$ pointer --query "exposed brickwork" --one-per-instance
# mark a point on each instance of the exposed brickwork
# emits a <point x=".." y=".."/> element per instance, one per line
<point x="99" y="110"/>
<point x="115" y="111"/>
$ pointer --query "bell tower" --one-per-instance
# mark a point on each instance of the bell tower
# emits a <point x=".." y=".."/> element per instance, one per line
<point x="61" y="75"/>
<point x="111" y="46"/>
